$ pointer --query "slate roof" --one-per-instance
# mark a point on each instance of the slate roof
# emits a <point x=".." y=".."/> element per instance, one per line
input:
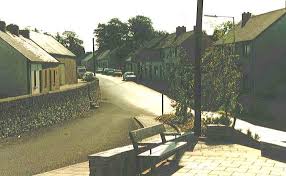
<point x="104" y="55"/>
<point x="89" y="56"/>
<point x="253" y="28"/>
<point x="50" y="44"/>
<point x="171" y="40"/>
<point x="27" y="48"/>
<point x="167" y="41"/>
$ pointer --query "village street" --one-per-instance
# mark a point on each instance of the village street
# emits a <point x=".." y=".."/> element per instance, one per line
<point x="65" y="144"/>
<point x="102" y="129"/>
<point x="150" y="101"/>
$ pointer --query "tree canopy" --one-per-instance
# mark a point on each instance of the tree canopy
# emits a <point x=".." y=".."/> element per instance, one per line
<point x="222" y="29"/>
<point x="131" y="34"/>
<point x="127" y="36"/>
<point x="72" y="42"/>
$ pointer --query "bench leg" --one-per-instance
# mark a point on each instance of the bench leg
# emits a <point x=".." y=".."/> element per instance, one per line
<point x="153" y="168"/>
<point x="178" y="156"/>
<point x="138" y="167"/>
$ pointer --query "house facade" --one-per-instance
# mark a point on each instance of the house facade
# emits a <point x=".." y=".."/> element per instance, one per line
<point x="260" y="43"/>
<point x="25" y="68"/>
<point x="67" y="59"/>
<point x="156" y="58"/>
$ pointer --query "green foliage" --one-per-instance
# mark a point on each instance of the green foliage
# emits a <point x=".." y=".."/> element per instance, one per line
<point x="181" y="85"/>
<point x="256" y="137"/>
<point x="88" y="76"/>
<point x="125" y="37"/>
<point x="221" y="77"/>
<point x="111" y="35"/>
<point x="141" y="29"/>
<point x="249" y="133"/>
<point x="223" y="120"/>
<point x="222" y="29"/>
<point x="71" y="41"/>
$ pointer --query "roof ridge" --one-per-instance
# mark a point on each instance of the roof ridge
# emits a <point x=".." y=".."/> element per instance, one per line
<point x="267" y="13"/>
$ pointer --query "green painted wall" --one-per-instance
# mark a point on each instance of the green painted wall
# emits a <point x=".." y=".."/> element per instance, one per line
<point x="13" y="72"/>
<point x="270" y="60"/>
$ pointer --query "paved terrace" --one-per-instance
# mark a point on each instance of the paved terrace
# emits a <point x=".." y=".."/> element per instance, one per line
<point x="211" y="160"/>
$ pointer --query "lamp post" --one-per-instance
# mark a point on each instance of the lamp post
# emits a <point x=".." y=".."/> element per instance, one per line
<point x="233" y="24"/>
<point x="93" y="58"/>
<point x="198" y="54"/>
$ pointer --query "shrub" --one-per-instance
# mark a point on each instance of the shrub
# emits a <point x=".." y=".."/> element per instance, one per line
<point x="88" y="76"/>
<point x="256" y="137"/>
<point x="249" y="133"/>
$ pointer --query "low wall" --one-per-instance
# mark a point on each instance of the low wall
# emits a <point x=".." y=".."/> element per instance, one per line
<point x="122" y="161"/>
<point x="30" y="112"/>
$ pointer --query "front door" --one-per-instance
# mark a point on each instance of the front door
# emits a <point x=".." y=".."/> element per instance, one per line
<point x="35" y="81"/>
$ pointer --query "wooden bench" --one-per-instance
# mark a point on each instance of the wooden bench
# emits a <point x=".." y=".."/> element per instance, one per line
<point x="155" y="153"/>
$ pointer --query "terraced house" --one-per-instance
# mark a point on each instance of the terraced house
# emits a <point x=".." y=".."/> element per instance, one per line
<point x="153" y="61"/>
<point x="89" y="61"/>
<point x="66" y="58"/>
<point x="25" y="68"/>
<point x="260" y="43"/>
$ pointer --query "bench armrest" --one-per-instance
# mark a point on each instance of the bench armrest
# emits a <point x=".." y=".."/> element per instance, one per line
<point x="172" y="134"/>
<point x="174" y="127"/>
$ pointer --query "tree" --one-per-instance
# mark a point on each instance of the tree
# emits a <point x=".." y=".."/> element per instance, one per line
<point x="222" y="29"/>
<point x="141" y="29"/>
<point x="72" y="42"/>
<point x="181" y="85"/>
<point x="111" y="35"/>
<point x="221" y="80"/>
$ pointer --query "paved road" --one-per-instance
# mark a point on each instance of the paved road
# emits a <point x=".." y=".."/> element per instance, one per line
<point x="102" y="129"/>
<point x="71" y="142"/>
<point x="150" y="100"/>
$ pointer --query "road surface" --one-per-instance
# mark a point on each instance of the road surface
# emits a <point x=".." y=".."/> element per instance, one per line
<point x="150" y="100"/>
<point x="102" y="129"/>
<point x="72" y="141"/>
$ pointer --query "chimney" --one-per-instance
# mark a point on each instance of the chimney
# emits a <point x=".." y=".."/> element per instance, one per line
<point x="13" y="29"/>
<point x="180" y="30"/>
<point x="25" y="33"/>
<point x="245" y="18"/>
<point x="2" y="26"/>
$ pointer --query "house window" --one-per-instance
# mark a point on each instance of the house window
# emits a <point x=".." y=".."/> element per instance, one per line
<point x="35" y="79"/>
<point x="176" y="52"/>
<point x="54" y="77"/>
<point x="46" y="78"/>
<point x="246" y="49"/>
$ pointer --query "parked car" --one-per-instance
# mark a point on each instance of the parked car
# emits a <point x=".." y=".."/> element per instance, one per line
<point x="88" y="76"/>
<point x="81" y="70"/>
<point x="117" y="72"/>
<point x="99" y="70"/>
<point x="106" y="71"/>
<point x="129" y="76"/>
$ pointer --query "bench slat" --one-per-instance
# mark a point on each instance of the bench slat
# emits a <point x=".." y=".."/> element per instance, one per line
<point x="140" y="134"/>
<point x="164" y="149"/>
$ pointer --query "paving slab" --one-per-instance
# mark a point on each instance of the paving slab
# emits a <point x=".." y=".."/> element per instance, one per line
<point x="225" y="159"/>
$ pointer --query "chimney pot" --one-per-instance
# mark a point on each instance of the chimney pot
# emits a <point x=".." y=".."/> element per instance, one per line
<point x="25" y="33"/>
<point x="2" y="26"/>
<point x="13" y="29"/>
<point x="180" y="30"/>
<point x="245" y="18"/>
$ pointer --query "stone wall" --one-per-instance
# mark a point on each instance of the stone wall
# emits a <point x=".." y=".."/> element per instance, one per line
<point x="31" y="112"/>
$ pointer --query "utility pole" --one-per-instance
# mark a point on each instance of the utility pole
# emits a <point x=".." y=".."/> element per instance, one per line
<point x="162" y="103"/>
<point x="93" y="58"/>
<point x="198" y="53"/>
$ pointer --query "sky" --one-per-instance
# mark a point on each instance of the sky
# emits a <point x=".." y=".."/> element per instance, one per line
<point x="83" y="16"/>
